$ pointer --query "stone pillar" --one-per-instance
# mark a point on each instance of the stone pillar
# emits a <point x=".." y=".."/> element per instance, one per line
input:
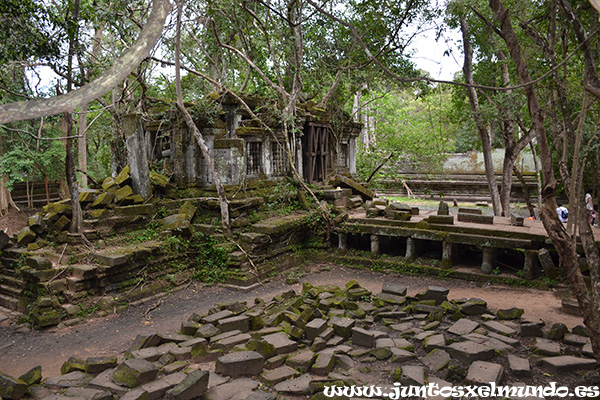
<point x="343" y="241"/>
<point x="374" y="245"/>
<point x="531" y="263"/>
<point x="352" y="156"/>
<point x="411" y="249"/>
<point x="136" y="155"/>
<point x="446" y="254"/>
<point x="489" y="260"/>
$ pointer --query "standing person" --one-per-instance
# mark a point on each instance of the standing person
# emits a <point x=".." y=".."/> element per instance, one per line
<point x="589" y="206"/>
<point x="563" y="213"/>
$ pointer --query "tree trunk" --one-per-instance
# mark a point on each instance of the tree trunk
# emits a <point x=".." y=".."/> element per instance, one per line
<point x="82" y="145"/>
<point x="223" y="202"/>
<point x="486" y="146"/>
<point x="120" y="69"/>
<point x="562" y="242"/>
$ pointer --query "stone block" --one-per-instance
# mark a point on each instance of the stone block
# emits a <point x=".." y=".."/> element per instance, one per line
<point x="36" y="223"/>
<point x="437" y="293"/>
<point x="362" y="337"/>
<point x="324" y="363"/>
<point x="239" y="322"/>
<point x="72" y="379"/>
<point x="394" y="289"/>
<point x="519" y="366"/>
<point x="274" y="376"/>
<point x="499" y="327"/>
<point x="193" y="386"/>
<point x="441" y="219"/>
<point x="103" y="199"/>
<point x="26" y="236"/>
<point x="575" y="340"/>
<point x="484" y="373"/>
<point x="475" y="218"/>
<point x="547" y="263"/>
<point x="207" y="331"/>
<point x="511" y="313"/>
<point x="302" y="361"/>
<point x="546" y="347"/>
<point x="135" y="372"/>
<point x="531" y="329"/>
<point x="566" y="364"/>
<point x="212" y="318"/>
<point x="158" y="388"/>
<point x="299" y="386"/>
<point x="85" y="393"/>
<point x="281" y="342"/>
<point x="557" y="331"/>
<point x="32" y="377"/>
<point x="437" y="359"/>
<point x="11" y="388"/>
<point x="469" y="351"/>
<point x="342" y="326"/>
<point x="240" y="363"/>
<point x="96" y="365"/>
<point x="463" y="326"/>
<point x="38" y="263"/>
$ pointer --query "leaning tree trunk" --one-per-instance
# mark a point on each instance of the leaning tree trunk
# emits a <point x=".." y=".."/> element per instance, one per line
<point x="486" y="146"/>
<point x="565" y="247"/>
<point x="224" y="203"/>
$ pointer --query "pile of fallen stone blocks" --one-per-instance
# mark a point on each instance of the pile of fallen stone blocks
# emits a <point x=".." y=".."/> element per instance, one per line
<point x="298" y="343"/>
<point x="114" y="201"/>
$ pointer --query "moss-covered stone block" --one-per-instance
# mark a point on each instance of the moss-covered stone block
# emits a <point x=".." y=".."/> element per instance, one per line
<point x="104" y="199"/>
<point x="32" y="377"/>
<point x="135" y="372"/>
<point x="122" y="193"/>
<point x="26" y="236"/>
<point x="72" y="364"/>
<point x="188" y="209"/>
<point x="158" y="179"/>
<point x="124" y="177"/>
<point x="62" y="224"/>
<point x="11" y="388"/>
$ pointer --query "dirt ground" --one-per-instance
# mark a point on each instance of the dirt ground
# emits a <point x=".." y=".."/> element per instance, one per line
<point x="15" y="220"/>
<point x="112" y="335"/>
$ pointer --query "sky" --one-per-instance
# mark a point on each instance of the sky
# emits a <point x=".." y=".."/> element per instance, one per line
<point x="429" y="54"/>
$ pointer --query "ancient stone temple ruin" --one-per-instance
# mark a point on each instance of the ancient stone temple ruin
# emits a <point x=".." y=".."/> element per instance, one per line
<point x="244" y="150"/>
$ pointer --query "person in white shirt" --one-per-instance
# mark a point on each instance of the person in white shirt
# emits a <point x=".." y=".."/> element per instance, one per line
<point x="563" y="213"/>
<point x="589" y="206"/>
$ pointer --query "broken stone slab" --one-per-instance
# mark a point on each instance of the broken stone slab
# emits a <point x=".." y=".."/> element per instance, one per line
<point x="531" y="330"/>
<point x="474" y="307"/>
<point x="122" y="193"/>
<point x="85" y="393"/>
<point x="32" y="377"/>
<point x="207" y="331"/>
<point x="412" y="375"/>
<point x="437" y="293"/>
<point x="469" y="351"/>
<point x="157" y="388"/>
<point x="231" y="341"/>
<point x="296" y="386"/>
<point x="193" y="386"/>
<point x="499" y="327"/>
<point x="510" y="341"/>
<point x="25" y="236"/>
<point x="575" y="340"/>
<point x="394" y="289"/>
<point x="212" y="318"/>
<point x="564" y="364"/>
<point x="96" y="365"/>
<point x="240" y="363"/>
<point x="324" y="363"/>
<point x="75" y="378"/>
<point x="519" y="366"/>
<point x="36" y="223"/>
<point x="391" y="298"/>
<point x="558" y="331"/>
<point x="510" y="313"/>
<point x="281" y="342"/>
<point x="463" y="326"/>
<point x="274" y="376"/>
<point x="233" y="390"/>
<point x="135" y="394"/>
<point x="484" y="373"/>
<point x="239" y="322"/>
<point x="103" y="381"/>
<point x="302" y="361"/>
<point x="436" y="359"/>
<point x="435" y="342"/>
<point x="362" y="337"/>
<point x="545" y="347"/>
<point x="135" y="372"/>
<point x="342" y="326"/>
<point x="38" y="263"/>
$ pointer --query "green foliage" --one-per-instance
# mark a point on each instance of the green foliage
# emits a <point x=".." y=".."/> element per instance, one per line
<point x="415" y="131"/>
<point x="211" y="260"/>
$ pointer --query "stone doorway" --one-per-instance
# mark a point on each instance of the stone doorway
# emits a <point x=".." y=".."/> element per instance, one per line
<point x="315" y="143"/>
